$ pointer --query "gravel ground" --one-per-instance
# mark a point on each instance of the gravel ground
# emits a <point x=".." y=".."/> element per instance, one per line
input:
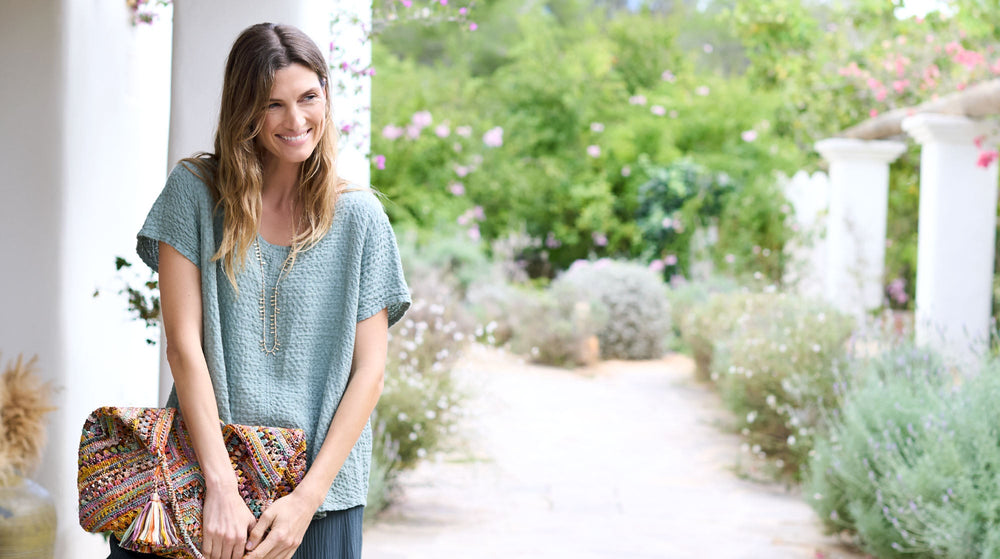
<point x="620" y="460"/>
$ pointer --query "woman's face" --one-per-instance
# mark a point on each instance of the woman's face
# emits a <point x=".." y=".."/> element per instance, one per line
<point x="295" y="114"/>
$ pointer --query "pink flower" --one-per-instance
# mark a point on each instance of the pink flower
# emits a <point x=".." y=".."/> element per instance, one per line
<point x="412" y="131"/>
<point x="668" y="76"/>
<point x="670" y="259"/>
<point x="900" y="85"/>
<point x="708" y="48"/>
<point x="493" y="137"/>
<point x="637" y="100"/>
<point x="594" y="151"/>
<point x="474" y="233"/>
<point x="953" y="47"/>
<point x="730" y="258"/>
<point x="702" y="90"/>
<point x="464" y="219"/>
<point x="461" y="170"/>
<point x="626" y="171"/>
<point x="406" y="3"/>
<point x="995" y="68"/>
<point x="392" y="132"/>
<point x="422" y="119"/>
<point x="457" y="188"/>
<point x="874" y="84"/>
<point x="656" y="265"/>
<point x="600" y="239"/>
<point x="596" y="127"/>
<point x="551" y="241"/>
<point x="881" y="94"/>
<point x="658" y="110"/>
<point x="872" y="113"/>
<point x="473" y="26"/>
<point x="960" y="86"/>
<point x="930" y="37"/>
<point x="969" y="59"/>
<point x="667" y="223"/>
<point x="463" y="11"/>
<point x="444" y="2"/>
<point x="986" y="158"/>
<point x="442" y="131"/>
<point x="380" y="162"/>
<point x="749" y="135"/>
<point x="464" y="131"/>
<point x="478" y="213"/>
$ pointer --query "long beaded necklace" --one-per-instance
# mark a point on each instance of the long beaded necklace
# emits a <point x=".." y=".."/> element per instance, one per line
<point x="285" y="269"/>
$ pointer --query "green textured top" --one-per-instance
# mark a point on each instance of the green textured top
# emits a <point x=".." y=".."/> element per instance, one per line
<point x="350" y="275"/>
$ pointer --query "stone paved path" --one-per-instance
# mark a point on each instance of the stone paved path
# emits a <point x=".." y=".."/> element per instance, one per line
<point x="621" y="460"/>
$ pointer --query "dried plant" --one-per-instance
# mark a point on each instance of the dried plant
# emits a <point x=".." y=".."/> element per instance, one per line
<point x="24" y="401"/>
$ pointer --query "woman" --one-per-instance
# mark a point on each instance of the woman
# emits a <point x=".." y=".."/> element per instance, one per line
<point x="278" y="284"/>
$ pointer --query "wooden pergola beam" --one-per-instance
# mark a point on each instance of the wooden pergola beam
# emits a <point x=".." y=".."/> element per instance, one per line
<point x="980" y="100"/>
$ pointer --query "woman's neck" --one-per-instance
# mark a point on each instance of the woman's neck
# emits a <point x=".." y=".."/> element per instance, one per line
<point x="280" y="183"/>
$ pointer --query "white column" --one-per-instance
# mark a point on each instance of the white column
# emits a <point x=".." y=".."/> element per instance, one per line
<point x="958" y="204"/>
<point x="855" y="234"/>
<point x="203" y="34"/>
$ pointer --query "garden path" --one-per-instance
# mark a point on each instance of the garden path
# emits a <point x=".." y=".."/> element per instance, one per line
<point x="619" y="460"/>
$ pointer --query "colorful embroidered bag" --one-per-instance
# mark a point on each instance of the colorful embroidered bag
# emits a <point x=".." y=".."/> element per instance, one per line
<point x="139" y="476"/>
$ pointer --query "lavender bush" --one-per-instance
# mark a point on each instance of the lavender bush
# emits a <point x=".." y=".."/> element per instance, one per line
<point x="910" y="465"/>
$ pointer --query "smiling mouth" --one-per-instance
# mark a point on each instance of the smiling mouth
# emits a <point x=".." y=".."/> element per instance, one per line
<point x="295" y="138"/>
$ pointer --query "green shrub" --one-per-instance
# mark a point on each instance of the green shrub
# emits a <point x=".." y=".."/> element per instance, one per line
<point x="910" y="464"/>
<point x="557" y="326"/>
<point x="777" y="372"/>
<point x="635" y="300"/>
<point x="702" y="317"/>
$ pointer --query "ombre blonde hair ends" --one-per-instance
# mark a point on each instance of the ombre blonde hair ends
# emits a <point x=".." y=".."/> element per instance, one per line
<point x="234" y="172"/>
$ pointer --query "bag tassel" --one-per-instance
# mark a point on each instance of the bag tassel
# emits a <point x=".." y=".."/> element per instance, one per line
<point x="151" y="527"/>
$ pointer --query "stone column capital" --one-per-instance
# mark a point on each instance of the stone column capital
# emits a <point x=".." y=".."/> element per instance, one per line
<point x="928" y="128"/>
<point x="836" y="150"/>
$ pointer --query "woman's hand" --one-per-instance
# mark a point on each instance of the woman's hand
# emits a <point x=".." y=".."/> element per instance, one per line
<point x="225" y="523"/>
<point x="284" y="523"/>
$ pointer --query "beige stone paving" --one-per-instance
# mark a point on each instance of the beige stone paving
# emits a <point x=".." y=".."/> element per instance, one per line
<point x="621" y="460"/>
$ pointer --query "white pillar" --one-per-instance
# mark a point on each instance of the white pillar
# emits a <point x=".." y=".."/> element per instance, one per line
<point x="805" y="269"/>
<point x="203" y="34"/>
<point x="958" y="204"/>
<point x="855" y="234"/>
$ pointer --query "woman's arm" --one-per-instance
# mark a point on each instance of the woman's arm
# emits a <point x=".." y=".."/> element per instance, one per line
<point x="289" y="516"/>
<point x="226" y="518"/>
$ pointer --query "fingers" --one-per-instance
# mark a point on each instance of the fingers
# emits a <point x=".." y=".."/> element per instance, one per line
<point x="259" y="529"/>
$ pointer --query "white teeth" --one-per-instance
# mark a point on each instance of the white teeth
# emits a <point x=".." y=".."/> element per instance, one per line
<point x="294" y="138"/>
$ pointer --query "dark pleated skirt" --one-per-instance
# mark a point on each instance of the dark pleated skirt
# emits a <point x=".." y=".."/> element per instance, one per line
<point x="335" y="536"/>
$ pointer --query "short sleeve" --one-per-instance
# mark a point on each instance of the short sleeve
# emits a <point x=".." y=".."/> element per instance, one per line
<point x="173" y="219"/>
<point x="382" y="285"/>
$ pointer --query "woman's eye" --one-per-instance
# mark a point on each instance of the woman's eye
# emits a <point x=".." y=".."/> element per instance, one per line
<point x="311" y="97"/>
<point x="274" y="105"/>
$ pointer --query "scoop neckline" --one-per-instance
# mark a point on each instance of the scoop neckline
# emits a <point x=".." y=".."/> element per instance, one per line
<point x="264" y="242"/>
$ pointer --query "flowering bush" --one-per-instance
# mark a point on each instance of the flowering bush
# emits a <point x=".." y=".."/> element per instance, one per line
<point x="420" y="405"/>
<point x="635" y="300"/>
<point x="705" y="323"/>
<point x="910" y="464"/>
<point x="777" y="372"/>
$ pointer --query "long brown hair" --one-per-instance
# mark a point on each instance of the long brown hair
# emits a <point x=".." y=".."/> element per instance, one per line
<point x="234" y="172"/>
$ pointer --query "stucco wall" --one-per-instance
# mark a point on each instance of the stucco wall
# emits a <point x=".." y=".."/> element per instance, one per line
<point x="84" y="151"/>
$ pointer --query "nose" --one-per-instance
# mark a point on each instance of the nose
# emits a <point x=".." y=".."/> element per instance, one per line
<point x="295" y="118"/>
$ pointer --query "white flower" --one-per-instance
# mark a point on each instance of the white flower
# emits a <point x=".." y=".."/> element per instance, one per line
<point x="413" y="436"/>
<point x="751" y="416"/>
<point x="430" y="414"/>
<point x="791" y="440"/>
<point x="402" y="416"/>
<point x="421" y="453"/>
<point x="771" y="400"/>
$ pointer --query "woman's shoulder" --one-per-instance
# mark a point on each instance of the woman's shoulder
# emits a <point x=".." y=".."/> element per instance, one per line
<point x="189" y="180"/>
<point x="359" y="201"/>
